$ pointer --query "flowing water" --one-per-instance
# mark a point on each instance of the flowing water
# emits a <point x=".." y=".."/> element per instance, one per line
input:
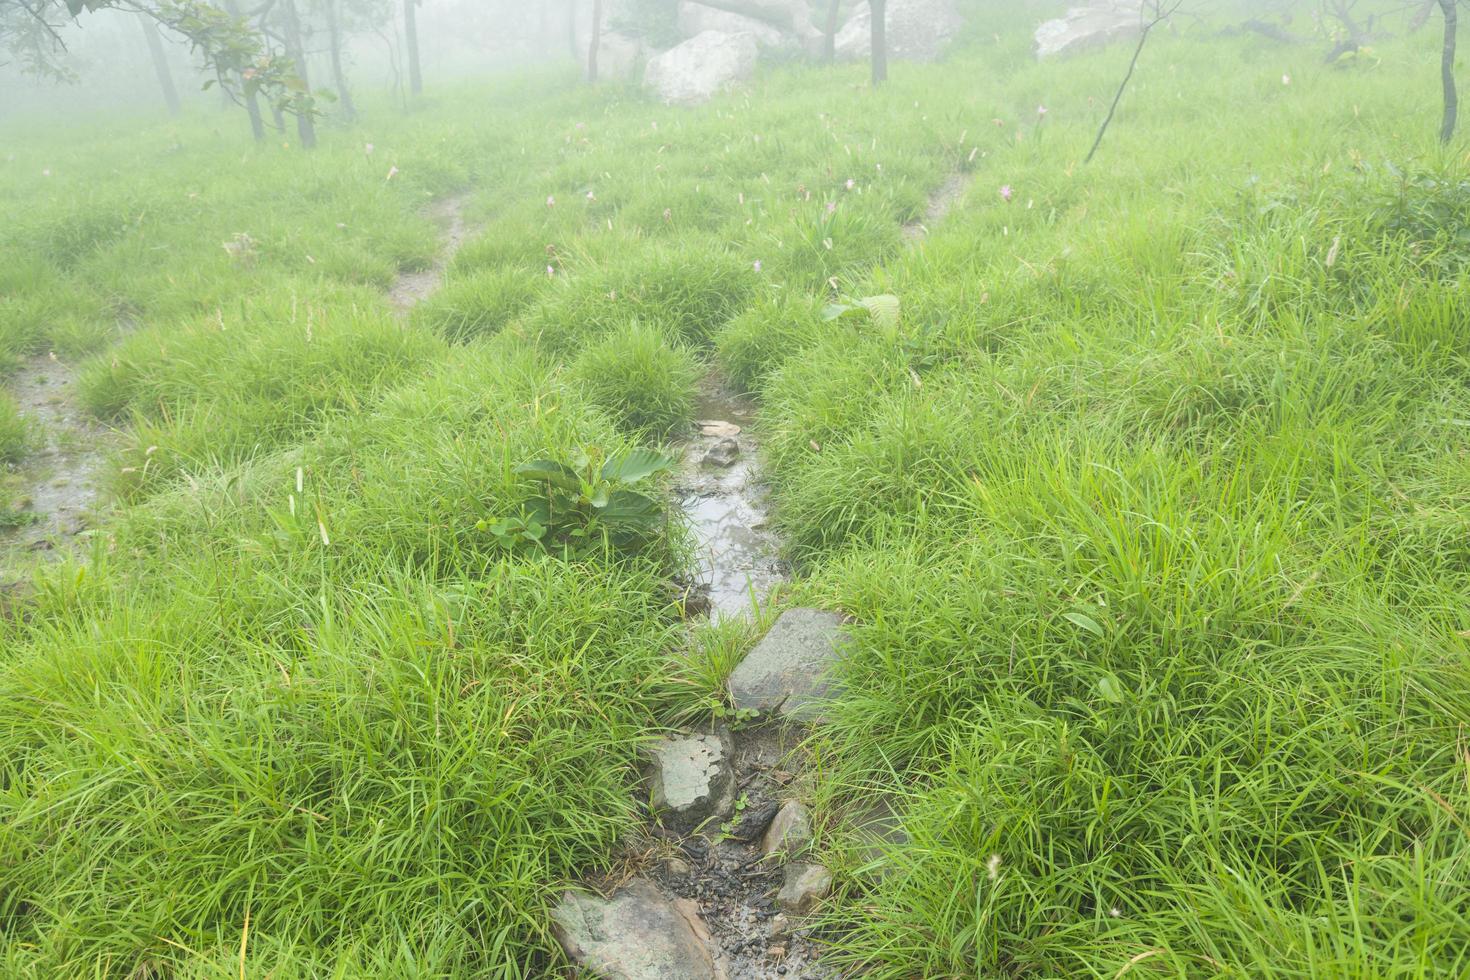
<point x="726" y="501"/>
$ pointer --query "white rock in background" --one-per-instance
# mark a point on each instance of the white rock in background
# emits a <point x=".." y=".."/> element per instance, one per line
<point x="694" y="71"/>
<point x="918" y="30"/>
<point x="1086" y="27"/>
<point x="696" y="18"/>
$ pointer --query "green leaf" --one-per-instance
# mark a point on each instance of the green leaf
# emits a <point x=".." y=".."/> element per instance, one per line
<point x="635" y="465"/>
<point x="884" y="309"/>
<point x="557" y="474"/>
<point x="1111" y="689"/>
<point x="835" y="311"/>
<point x="1085" y="621"/>
<point x="633" y="508"/>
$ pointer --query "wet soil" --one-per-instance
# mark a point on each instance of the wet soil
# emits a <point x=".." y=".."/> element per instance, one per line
<point x="726" y="501"/>
<point x="941" y="202"/>
<point x="722" y="870"/>
<point x="411" y="288"/>
<point x="61" y="483"/>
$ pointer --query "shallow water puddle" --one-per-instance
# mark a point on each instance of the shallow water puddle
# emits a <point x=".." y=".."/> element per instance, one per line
<point x="726" y="501"/>
<point x="61" y="481"/>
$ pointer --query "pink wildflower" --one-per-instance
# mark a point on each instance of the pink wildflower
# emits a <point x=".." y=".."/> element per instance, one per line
<point x="1006" y="192"/>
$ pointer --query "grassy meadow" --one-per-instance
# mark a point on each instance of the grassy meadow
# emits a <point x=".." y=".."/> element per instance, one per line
<point x="1151" y="512"/>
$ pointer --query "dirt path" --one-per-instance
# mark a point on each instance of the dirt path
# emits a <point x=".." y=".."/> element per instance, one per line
<point x="941" y="202"/>
<point x="722" y="896"/>
<point x="61" y="482"/>
<point x="411" y="288"/>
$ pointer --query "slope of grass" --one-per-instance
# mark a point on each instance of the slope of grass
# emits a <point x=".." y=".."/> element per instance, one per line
<point x="1149" y="511"/>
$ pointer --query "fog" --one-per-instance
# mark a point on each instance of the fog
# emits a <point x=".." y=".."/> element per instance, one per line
<point x="106" y="60"/>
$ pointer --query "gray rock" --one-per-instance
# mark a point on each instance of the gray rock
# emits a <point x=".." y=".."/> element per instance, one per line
<point x="879" y="830"/>
<point x="1088" y="26"/>
<point x="692" y="72"/>
<point x="918" y="30"/>
<point x="790" y="832"/>
<point x="693" y="780"/>
<point x="787" y="672"/>
<point x="637" y="934"/>
<point x="723" y="453"/>
<point x="696" y="18"/>
<point x="804" y="886"/>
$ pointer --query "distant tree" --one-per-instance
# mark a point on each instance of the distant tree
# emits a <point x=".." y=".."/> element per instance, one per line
<point x="1152" y="14"/>
<point x="1447" y="70"/>
<point x="232" y="49"/>
<point x="296" y="50"/>
<point x="331" y="13"/>
<point x="595" y="42"/>
<point x="248" y="96"/>
<point x="829" y="34"/>
<point x="879" y="11"/>
<point x="411" y="41"/>
<point x="160" y="64"/>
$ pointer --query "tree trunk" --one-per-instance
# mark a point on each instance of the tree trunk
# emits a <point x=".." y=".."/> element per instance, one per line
<point x="305" y="124"/>
<point x="1447" y="70"/>
<point x="879" y="11"/>
<point x="334" y="37"/>
<point x="411" y="41"/>
<point x="252" y="102"/>
<point x="595" y="42"/>
<point x="160" y="63"/>
<point x="829" y="40"/>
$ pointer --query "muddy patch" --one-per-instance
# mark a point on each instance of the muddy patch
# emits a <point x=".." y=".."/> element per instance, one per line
<point x="723" y="869"/>
<point x="411" y="288"/>
<point x="941" y="202"/>
<point x="60" y="484"/>
<point x="726" y="501"/>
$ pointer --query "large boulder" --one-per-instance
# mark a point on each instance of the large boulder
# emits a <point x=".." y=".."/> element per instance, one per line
<point x="918" y="30"/>
<point x="1088" y="26"/>
<point x="696" y="18"/>
<point x="694" y="71"/>
<point x="637" y="934"/>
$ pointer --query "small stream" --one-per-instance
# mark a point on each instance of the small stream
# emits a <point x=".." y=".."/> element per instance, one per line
<point x="725" y="499"/>
<point x="62" y="479"/>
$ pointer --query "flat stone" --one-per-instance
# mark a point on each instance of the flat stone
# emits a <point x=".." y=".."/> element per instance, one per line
<point x="718" y="428"/>
<point x="790" y="832"/>
<point x="723" y="453"/>
<point x="693" y="780"/>
<point x="805" y="886"/>
<point x="637" y="934"/>
<point x="879" y="830"/>
<point x="787" y="672"/>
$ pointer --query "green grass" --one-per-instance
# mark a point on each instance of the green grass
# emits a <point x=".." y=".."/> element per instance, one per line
<point x="1150" y="515"/>
<point x="16" y="431"/>
<point x="643" y="379"/>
